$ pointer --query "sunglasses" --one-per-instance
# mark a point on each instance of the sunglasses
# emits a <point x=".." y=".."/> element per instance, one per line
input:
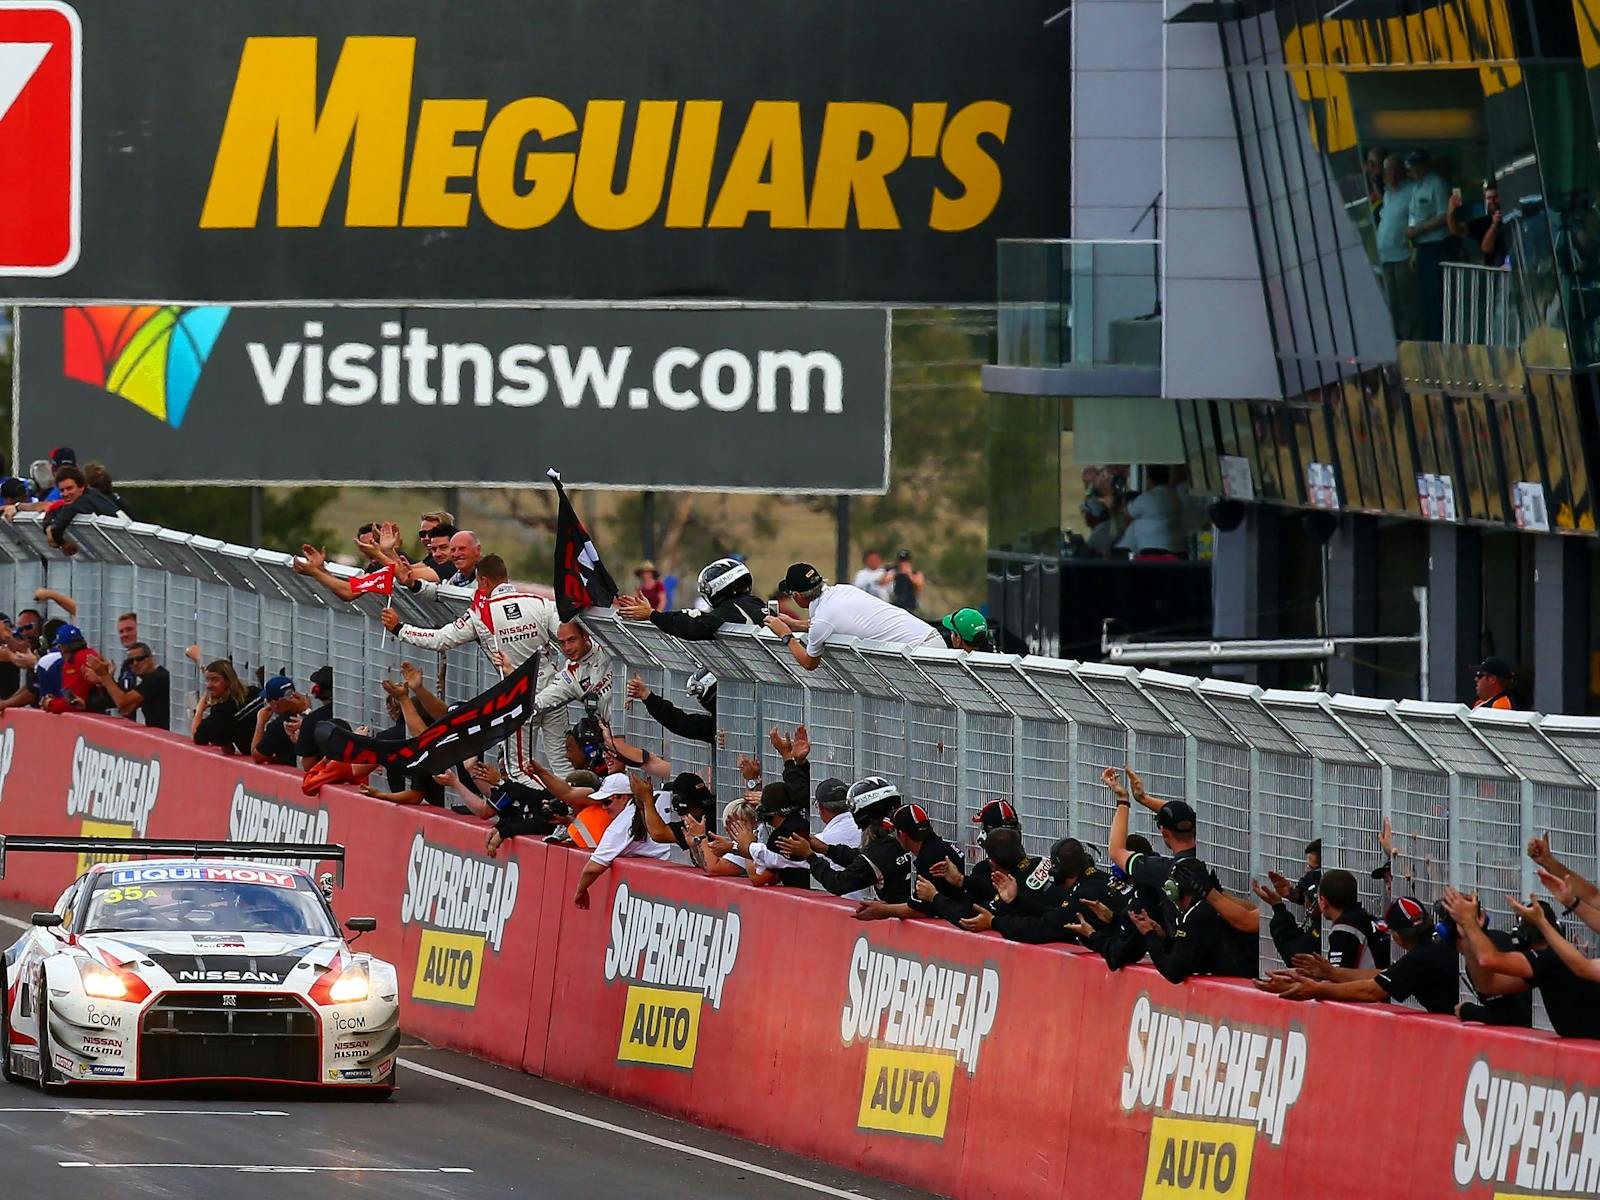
<point x="138" y="658"/>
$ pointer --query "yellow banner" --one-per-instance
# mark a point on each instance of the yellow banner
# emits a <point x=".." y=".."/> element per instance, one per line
<point x="660" y="1027"/>
<point x="906" y="1091"/>
<point x="448" y="967"/>
<point x="102" y="829"/>
<point x="1207" y="1159"/>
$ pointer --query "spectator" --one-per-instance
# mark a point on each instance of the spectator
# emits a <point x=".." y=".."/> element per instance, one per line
<point x="966" y="629"/>
<point x="1491" y="681"/>
<point x="585" y="672"/>
<point x="1513" y="1008"/>
<point x="1156" y="528"/>
<point x="1485" y="235"/>
<point x="435" y="540"/>
<point x="873" y="578"/>
<point x="724" y="585"/>
<point x="689" y="800"/>
<point x="1114" y="936"/>
<point x="1201" y="942"/>
<point x="953" y="894"/>
<point x="1372" y="168"/>
<point x="306" y="748"/>
<point x="77" y="499"/>
<point x="697" y="727"/>
<point x="1426" y="970"/>
<point x="466" y="552"/>
<point x="10" y="669"/>
<point x="127" y="636"/>
<point x="906" y="583"/>
<point x="1579" y="897"/>
<point x="1071" y="909"/>
<point x="1568" y="982"/>
<point x="1293" y="937"/>
<point x="1394" y="251"/>
<point x="781" y="807"/>
<point x="720" y="855"/>
<point x="221" y="719"/>
<point x="1355" y="938"/>
<point x="840" y="610"/>
<point x="150" y="693"/>
<point x="835" y="808"/>
<point x="651" y="588"/>
<point x="880" y="868"/>
<point x="627" y="836"/>
<point x="278" y="722"/>
<point x="313" y="563"/>
<point x="914" y="831"/>
<point x="1426" y="226"/>
<point x="511" y="625"/>
<point x="100" y="481"/>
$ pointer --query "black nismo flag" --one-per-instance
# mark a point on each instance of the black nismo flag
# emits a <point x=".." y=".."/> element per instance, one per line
<point x="582" y="580"/>
<point x="466" y="731"/>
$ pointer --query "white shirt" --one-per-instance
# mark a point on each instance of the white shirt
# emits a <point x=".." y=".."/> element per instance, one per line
<point x="843" y="831"/>
<point x="618" y="840"/>
<point x="871" y="582"/>
<point x="851" y="612"/>
<point x="1157" y="514"/>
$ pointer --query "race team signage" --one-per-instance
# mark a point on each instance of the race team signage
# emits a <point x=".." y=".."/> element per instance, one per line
<point x="467" y="396"/>
<point x="870" y="151"/>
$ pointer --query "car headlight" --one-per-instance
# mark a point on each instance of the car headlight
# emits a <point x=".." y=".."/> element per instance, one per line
<point x="102" y="982"/>
<point x="350" y="986"/>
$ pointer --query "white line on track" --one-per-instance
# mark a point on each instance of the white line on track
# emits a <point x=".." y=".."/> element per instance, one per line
<point x="637" y="1135"/>
<point x="5" y="920"/>
<point x="150" y="1112"/>
<point x="268" y="1168"/>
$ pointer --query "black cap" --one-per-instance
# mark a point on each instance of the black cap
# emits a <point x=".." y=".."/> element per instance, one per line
<point x="1417" y="157"/>
<point x="904" y="556"/>
<point x="1406" y="912"/>
<point x="322" y="683"/>
<point x="688" y="789"/>
<point x="832" y="791"/>
<point x="912" y="819"/>
<point x="1314" y="847"/>
<point x="63" y="456"/>
<point x="800" y="577"/>
<point x="1499" y="668"/>
<point x="1177" y="816"/>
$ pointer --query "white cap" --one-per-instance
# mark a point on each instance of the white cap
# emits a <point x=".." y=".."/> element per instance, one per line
<point x="613" y="785"/>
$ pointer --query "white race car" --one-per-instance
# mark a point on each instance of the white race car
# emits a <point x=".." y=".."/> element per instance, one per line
<point x="183" y="969"/>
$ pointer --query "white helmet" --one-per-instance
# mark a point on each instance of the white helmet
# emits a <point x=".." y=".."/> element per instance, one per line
<point x="702" y="685"/>
<point x="724" y="579"/>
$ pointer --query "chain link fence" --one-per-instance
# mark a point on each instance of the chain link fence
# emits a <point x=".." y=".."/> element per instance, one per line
<point x="1268" y="771"/>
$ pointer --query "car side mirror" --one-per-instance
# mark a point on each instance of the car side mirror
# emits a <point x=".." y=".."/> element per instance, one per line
<point x="361" y="924"/>
<point x="47" y="920"/>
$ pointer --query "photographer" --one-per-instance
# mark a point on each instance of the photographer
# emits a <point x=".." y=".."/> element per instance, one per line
<point x="696" y="727"/>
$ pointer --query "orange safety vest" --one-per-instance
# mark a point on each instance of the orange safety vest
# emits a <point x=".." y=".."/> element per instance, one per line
<point x="1500" y="701"/>
<point x="589" y="826"/>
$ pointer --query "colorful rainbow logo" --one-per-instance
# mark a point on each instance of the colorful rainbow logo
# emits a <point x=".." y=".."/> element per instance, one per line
<point x="151" y="355"/>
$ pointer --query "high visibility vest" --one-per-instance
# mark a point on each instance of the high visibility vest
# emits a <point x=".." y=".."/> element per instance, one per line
<point x="589" y="826"/>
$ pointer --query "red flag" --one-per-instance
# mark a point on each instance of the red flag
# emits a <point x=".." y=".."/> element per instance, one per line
<point x="374" y="583"/>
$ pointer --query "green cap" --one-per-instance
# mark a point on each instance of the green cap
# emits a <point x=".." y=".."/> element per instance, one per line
<point x="968" y="623"/>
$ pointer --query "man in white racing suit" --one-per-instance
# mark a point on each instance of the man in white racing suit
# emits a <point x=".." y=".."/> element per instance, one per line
<point x="585" y="669"/>
<point x="518" y="624"/>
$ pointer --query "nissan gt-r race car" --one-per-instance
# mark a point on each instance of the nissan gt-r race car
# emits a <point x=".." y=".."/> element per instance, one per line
<point x="185" y="969"/>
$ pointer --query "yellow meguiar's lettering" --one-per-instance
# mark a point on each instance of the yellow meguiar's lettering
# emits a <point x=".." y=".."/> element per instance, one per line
<point x="612" y="164"/>
<point x="366" y="116"/>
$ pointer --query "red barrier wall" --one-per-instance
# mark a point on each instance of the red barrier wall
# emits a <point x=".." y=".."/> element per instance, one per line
<point x="961" y="1064"/>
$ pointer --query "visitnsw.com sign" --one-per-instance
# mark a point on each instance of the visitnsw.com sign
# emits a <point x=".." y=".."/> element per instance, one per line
<point x="416" y="150"/>
<point x="702" y="398"/>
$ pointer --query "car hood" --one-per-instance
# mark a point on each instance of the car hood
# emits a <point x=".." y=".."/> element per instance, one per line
<point x="201" y="960"/>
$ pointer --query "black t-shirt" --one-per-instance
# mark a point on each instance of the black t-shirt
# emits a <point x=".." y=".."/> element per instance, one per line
<point x="1515" y="1008"/>
<point x="305" y="745"/>
<point x="275" y="741"/>
<point x="1354" y="940"/>
<point x="1430" y="973"/>
<point x="1202" y="943"/>
<point x="1476" y="228"/>
<point x="155" y="698"/>
<point x="1573" y="1003"/>
<point x="800" y="876"/>
<point x="10" y="680"/>
<point x="223" y="726"/>
<point x="1153" y="870"/>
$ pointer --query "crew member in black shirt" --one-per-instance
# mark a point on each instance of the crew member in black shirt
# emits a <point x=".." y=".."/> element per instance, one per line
<point x="1071" y="907"/>
<point x="1200" y="942"/>
<point x="1290" y="936"/>
<point x="1571" y="1001"/>
<point x="697" y="727"/>
<point x="952" y="891"/>
<point x="913" y="829"/>
<point x="305" y="746"/>
<point x="1004" y="855"/>
<point x="726" y="586"/>
<point x="1427" y="970"/>
<point x="881" y="863"/>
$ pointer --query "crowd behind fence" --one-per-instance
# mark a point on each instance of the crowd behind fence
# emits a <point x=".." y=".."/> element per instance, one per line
<point x="1268" y="771"/>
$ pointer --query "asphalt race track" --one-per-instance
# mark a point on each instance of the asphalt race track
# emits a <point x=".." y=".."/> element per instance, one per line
<point x="457" y="1128"/>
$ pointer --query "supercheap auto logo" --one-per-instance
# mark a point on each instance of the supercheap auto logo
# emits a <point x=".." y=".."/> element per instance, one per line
<point x="115" y="792"/>
<point x="1217" y="1087"/>
<point x="464" y="904"/>
<point x="149" y="355"/>
<point x="673" y="957"/>
<point x="920" y="1019"/>
<point x="254" y="818"/>
<point x="1528" y="1135"/>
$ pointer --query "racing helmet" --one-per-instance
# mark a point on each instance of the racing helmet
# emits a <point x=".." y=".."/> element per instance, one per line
<point x="725" y="579"/>
<point x="873" y="800"/>
<point x="702" y="686"/>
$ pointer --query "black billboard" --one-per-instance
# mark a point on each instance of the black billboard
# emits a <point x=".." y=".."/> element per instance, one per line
<point x="864" y="151"/>
<point x="675" y="399"/>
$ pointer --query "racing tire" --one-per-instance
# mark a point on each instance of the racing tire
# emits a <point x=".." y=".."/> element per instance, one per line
<point x="6" y="1072"/>
<point x="47" y="1067"/>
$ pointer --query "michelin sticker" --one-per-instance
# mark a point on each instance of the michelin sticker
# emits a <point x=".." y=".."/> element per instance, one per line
<point x="921" y="1019"/>
<point x="674" y="957"/>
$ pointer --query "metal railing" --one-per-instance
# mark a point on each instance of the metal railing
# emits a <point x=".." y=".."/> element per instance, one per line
<point x="1268" y="771"/>
<point x="1481" y="306"/>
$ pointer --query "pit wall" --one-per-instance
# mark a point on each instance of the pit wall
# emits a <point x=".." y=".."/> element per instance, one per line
<point x="962" y="1064"/>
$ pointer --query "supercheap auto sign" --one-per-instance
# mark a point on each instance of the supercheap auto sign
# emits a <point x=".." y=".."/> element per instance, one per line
<point x="602" y="149"/>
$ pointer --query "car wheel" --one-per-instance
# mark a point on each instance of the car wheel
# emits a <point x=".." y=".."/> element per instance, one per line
<point x="47" y="1066"/>
<point x="6" y="1072"/>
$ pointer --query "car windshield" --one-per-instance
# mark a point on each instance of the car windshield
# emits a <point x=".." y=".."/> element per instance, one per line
<point x="136" y="898"/>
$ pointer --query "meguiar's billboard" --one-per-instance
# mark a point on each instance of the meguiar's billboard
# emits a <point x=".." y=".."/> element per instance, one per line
<point x="253" y="151"/>
<point x="675" y="399"/>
